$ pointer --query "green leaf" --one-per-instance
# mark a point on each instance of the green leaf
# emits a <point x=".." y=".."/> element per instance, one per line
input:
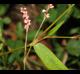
<point x="1" y="46"/>
<point x="53" y="31"/>
<point x="76" y="13"/>
<point x="31" y="34"/>
<point x="15" y="44"/>
<point x="53" y="15"/>
<point x="48" y="58"/>
<point x="3" y="9"/>
<point x="61" y="8"/>
<point x="14" y="56"/>
<point x="59" y="51"/>
<point x="19" y="30"/>
<point x="1" y="22"/>
<point x="73" y="47"/>
<point x="6" y="20"/>
<point x="1" y="33"/>
<point x="75" y="30"/>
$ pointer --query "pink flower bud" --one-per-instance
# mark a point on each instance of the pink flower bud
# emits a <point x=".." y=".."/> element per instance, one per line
<point x="24" y="9"/>
<point x="43" y="10"/>
<point x="51" y="6"/>
<point x="47" y="15"/>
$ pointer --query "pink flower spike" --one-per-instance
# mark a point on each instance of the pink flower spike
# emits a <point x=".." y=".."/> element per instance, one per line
<point x="26" y="18"/>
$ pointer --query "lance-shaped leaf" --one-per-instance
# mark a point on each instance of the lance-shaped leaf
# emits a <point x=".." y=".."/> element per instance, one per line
<point x="48" y="58"/>
<point x="53" y="31"/>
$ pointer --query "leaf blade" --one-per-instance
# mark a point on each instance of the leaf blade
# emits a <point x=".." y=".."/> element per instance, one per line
<point x="52" y="31"/>
<point x="48" y="58"/>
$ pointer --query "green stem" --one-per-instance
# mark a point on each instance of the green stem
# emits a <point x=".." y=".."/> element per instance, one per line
<point x="61" y="37"/>
<point x="25" y="50"/>
<point x="40" y="27"/>
<point x="68" y="37"/>
<point x="28" y="52"/>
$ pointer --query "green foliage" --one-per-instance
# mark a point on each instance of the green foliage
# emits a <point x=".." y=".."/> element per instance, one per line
<point x="75" y="30"/>
<point x="14" y="56"/>
<point x="1" y="46"/>
<point x="51" y="59"/>
<point x="61" y="19"/>
<point x="31" y="34"/>
<point x="19" y="30"/>
<point x="15" y="44"/>
<point x="40" y="18"/>
<point x="59" y="50"/>
<point x="3" y="9"/>
<point x="73" y="47"/>
<point x="1" y="37"/>
<point x="53" y="15"/>
<point x="16" y="47"/>
<point x="76" y="13"/>
<point x="53" y="31"/>
<point x="6" y="20"/>
<point x="1" y="22"/>
<point x="48" y="58"/>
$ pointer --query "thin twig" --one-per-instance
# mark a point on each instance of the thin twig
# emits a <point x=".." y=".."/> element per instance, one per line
<point x="65" y="57"/>
<point x="25" y="50"/>
<point x="40" y="27"/>
<point x="62" y="37"/>
<point x="67" y="37"/>
<point x="27" y="58"/>
<point x="28" y="65"/>
<point x="28" y="52"/>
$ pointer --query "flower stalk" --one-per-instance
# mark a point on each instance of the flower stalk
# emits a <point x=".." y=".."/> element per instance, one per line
<point x="27" y="23"/>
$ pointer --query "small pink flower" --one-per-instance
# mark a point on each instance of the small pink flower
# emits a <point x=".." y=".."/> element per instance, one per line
<point x="25" y="9"/>
<point x="25" y="16"/>
<point x="51" y="6"/>
<point x="43" y="10"/>
<point x="47" y="15"/>
<point x="25" y="21"/>
<point x="21" y="9"/>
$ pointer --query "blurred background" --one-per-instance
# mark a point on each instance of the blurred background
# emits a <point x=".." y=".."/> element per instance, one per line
<point x="12" y="36"/>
